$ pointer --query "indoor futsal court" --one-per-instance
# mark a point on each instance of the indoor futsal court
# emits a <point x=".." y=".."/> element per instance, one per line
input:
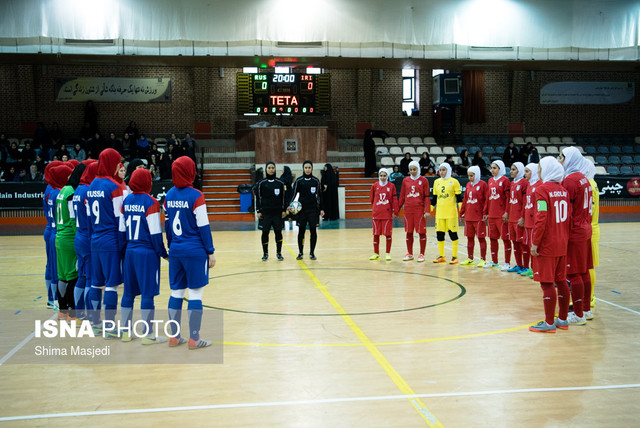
<point x="341" y="341"/>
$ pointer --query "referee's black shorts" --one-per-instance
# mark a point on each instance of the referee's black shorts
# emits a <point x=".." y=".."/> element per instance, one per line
<point x="312" y="218"/>
<point x="271" y="220"/>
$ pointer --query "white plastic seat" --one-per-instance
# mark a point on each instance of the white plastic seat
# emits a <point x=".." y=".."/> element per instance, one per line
<point x="440" y="159"/>
<point x="395" y="150"/>
<point x="430" y="141"/>
<point x="531" y="140"/>
<point x="416" y="141"/>
<point x="552" y="150"/>
<point x="416" y="158"/>
<point x="567" y="140"/>
<point x="403" y="141"/>
<point x="518" y="140"/>
<point x="555" y="140"/>
<point x="449" y="151"/>
<point x="409" y="149"/>
<point x="600" y="170"/>
<point x="398" y="159"/>
<point x="543" y="140"/>
<point x="390" y="141"/>
<point x="386" y="161"/>
<point x="590" y="158"/>
<point x="420" y="150"/>
<point x="435" y="151"/>
<point x="541" y="150"/>
<point x="378" y="141"/>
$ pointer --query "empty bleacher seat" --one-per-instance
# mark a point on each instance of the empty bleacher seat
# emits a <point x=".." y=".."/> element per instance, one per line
<point x="590" y="158"/>
<point x="613" y="170"/>
<point x="493" y="140"/>
<point x="390" y="141"/>
<point x="603" y="149"/>
<point x="552" y="150"/>
<point x="395" y="150"/>
<point x="636" y="169"/>
<point x="416" y="158"/>
<point x="601" y="160"/>
<point x="482" y="140"/>
<point x="614" y="159"/>
<point x="626" y="170"/>
<point x="500" y="149"/>
<point x="637" y="140"/>
<point x="600" y="170"/>
<point x="449" y="151"/>
<point x="636" y="149"/>
<point x="416" y="141"/>
<point x="627" y="149"/>
<point x="468" y="139"/>
<point x="628" y="160"/>
<point x="430" y="141"/>
<point x="636" y="159"/>
<point x="616" y="150"/>
<point x="440" y="159"/>
<point x="555" y="140"/>
<point x="420" y="150"/>
<point x="409" y="150"/>
<point x="488" y="150"/>
<point x="543" y="140"/>
<point x="542" y="150"/>
<point x="459" y="149"/>
<point x="378" y="141"/>
<point x="590" y="150"/>
<point x="493" y="158"/>
<point x="398" y="159"/>
<point x="473" y="150"/>
<point x="435" y="150"/>
<point x="403" y="141"/>
<point x="386" y="161"/>
<point x="518" y="140"/>
<point x="566" y="140"/>
<point x="580" y="148"/>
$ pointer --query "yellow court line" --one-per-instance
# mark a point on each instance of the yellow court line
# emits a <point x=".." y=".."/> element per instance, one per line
<point x="393" y="374"/>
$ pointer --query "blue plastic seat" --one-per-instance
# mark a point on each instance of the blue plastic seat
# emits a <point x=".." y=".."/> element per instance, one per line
<point x="500" y="149"/>
<point x="488" y="150"/>
<point x="636" y="169"/>
<point x="627" y="149"/>
<point x="626" y="170"/>
<point x="636" y="148"/>
<point x="590" y="150"/>
<point x="481" y="140"/>
<point x="601" y="160"/>
<point x="628" y="160"/>
<point x="460" y="149"/>
<point x="613" y="170"/>
<point x="468" y="139"/>
<point x="616" y="150"/>
<point x="614" y="159"/>
<point x="636" y="159"/>
<point x="603" y="149"/>
<point x="486" y="160"/>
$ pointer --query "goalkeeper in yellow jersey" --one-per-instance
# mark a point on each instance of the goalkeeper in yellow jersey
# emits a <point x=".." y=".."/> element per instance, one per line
<point x="446" y="196"/>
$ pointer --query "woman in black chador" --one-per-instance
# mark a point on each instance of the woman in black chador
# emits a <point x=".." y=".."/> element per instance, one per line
<point x="369" y="147"/>
<point x="270" y="200"/>
<point x="329" y="184"/>
<point x="306" y="190"/>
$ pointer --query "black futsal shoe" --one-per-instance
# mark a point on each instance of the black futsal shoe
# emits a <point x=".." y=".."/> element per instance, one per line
<point x="265" y="257"/>
<point x="312" y="256"/>
<point x="299" y="256"/>
<point x="279" y="257"/>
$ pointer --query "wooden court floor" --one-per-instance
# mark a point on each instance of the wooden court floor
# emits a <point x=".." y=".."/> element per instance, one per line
<point x="344" y="341"/>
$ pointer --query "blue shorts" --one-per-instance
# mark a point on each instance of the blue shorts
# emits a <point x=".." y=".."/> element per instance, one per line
<point x="141" y="269"/>
<point x="188" y="272"/>
<point x="106" y="269"/>
<point x="51" y="271"/>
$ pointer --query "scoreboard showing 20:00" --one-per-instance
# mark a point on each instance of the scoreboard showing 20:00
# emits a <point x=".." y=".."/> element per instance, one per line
<point x="274" y="93"/>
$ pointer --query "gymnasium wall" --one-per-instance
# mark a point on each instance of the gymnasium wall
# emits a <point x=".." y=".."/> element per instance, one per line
<point x="200" y="94"/>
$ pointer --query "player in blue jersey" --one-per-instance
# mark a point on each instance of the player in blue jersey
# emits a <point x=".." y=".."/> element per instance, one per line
<point x="48" y="206"/>
<point x="190" y="250"/>
<point x="104" y="198"/>
<point x="82" y="243"/>
<point x="141" y="216"/>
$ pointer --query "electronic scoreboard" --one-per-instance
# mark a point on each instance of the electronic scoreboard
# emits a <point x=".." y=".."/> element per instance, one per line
<point x="274" y="93"/>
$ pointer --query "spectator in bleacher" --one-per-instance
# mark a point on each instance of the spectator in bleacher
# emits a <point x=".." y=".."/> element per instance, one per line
<point x="132" y="130"/>
<point x="77" y="153"/>
<point x="189" y="146"/>
<point x="510" y="155"/>
<point x="142" y="147"/>
<point x="166" y="160"/>
<point x="153" y="151"/>
<point x="529" y="154"/>
<point x="86" y="134"/>
<point x="28" y="155"/>
<point x="395" y="173"/>
<point x="41" y="138"/>
<point x="464" y="164"/>
<point x="431" y="172"/>
<point x="14" y="156"/>
<point x="113" y="142"/>
<point x="40" y="163"/>
<point x="127" y="145"/>
<point x="154" y="166"/>
<point x="479" y="162"/>
<point x="173" y="140"/>
<point x="369" y="148"/>
<point x="329" y="183"/>
<point x="91" y="116"/>
<point x="4" y="145"/>
<point x="452" y="164"/>
<point x="404" y="164"/>
<point x="425" y="162"/>
<point x="33" y="174"/>
<point x="11" y="174"/>
<point x="132" y="166"/>
<point x="63" y="152"/>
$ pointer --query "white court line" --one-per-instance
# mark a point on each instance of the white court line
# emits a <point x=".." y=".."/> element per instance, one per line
<point x="20" y="345"/>
<point x="617" y="306"/>
<point x="313" y="402"/>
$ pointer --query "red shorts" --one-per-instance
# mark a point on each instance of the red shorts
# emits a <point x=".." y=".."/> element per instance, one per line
<point x="516" y="232"/>
<point x="475" y="228"/>
<point x="382" y="227"/>
<point x="498" y="229"/>
<point x="549" y="269"/>
<point x="579" y="257"/>
<point x="528" y="236"/>
<point x="415" y="222"/>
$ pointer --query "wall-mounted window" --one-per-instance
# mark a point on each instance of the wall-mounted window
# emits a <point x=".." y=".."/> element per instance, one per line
<point x="409" y="92"/>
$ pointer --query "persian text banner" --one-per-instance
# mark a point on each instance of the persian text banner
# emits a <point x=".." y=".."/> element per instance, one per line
<point x="113" y="89"/>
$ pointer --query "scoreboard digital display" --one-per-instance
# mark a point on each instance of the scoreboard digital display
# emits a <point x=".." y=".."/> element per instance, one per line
<point x="272" y="93"/>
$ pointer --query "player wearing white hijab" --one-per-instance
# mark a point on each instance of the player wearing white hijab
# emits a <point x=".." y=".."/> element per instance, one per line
<point x="414" y="196"/>
<point x="447" y="194"/>
<point x="549" y="245"/>
<point x="473" y="209"/>
<point x="384" y="206"/>
<point x="516" y="214"/>
<point x="530" y="174"/>
<point x="589" y="171"/>
<point x="497" y="204"/>
<point x="579" y="258"/>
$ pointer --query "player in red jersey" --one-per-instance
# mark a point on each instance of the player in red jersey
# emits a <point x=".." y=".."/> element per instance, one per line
<point x="414" y="196"/>
<point x="497" y="203"/>
<point x="579" y="257"/>
<point x="473" y="209"/>
<point x="550" y="236"/>
<point x="384" y="205"/>
<point x="530" y="174"/>
<point x="517" y="196"/>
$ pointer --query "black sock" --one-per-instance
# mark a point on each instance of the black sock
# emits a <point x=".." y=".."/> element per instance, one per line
<point x="300" y="241"/>
<point x="265" y="241"/>
<point x="278" y="234"/>
<point x="314" y="239"/>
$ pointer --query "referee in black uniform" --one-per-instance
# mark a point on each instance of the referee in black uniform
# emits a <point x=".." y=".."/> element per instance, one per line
<point x="270" y="208"/>
<point x="308" y="187"/>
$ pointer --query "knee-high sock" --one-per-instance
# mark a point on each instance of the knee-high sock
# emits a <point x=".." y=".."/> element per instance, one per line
<point x="388" y="244"/>
<point x="50" y="296"/>
<point x="147" y="310"/>
<point x="470" y="247"/>
<point x="301" y="240"/>
<point x="409" y="240"/>
<point x="95" y="304"/>
<point x="517" y="252"/>
<point x="87" y="302"/>
<point x="376" y="244"/>
<point x="78" y="296"/>
<point x="278" y="235"/>
<point x="586" y="302"/>
<point x="62" y="296"/>
<point x="423" y="243"/>
<point x="507" y="251"/>
<point x="525" y="255"/>
<point x="454" y="248"/>
<point x="53" y="289"/>
<point x="175" y="314"/>
<point x="69" y="297"/>
<point x="313" y="239"/>
<point x="592" y="274"/>
<point x="549" y="300"/>
<point x="110" y="303"/>
<point x="441" y="248"/>
<point x="494" y="250"/>
<point x="577" y="293"/>
<point x="265" y="241"/>
<point x="126" y="305"/>
<point x="483" y="248"/>
<point x="194" y="309"/>
<point x="564" y="296"/>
